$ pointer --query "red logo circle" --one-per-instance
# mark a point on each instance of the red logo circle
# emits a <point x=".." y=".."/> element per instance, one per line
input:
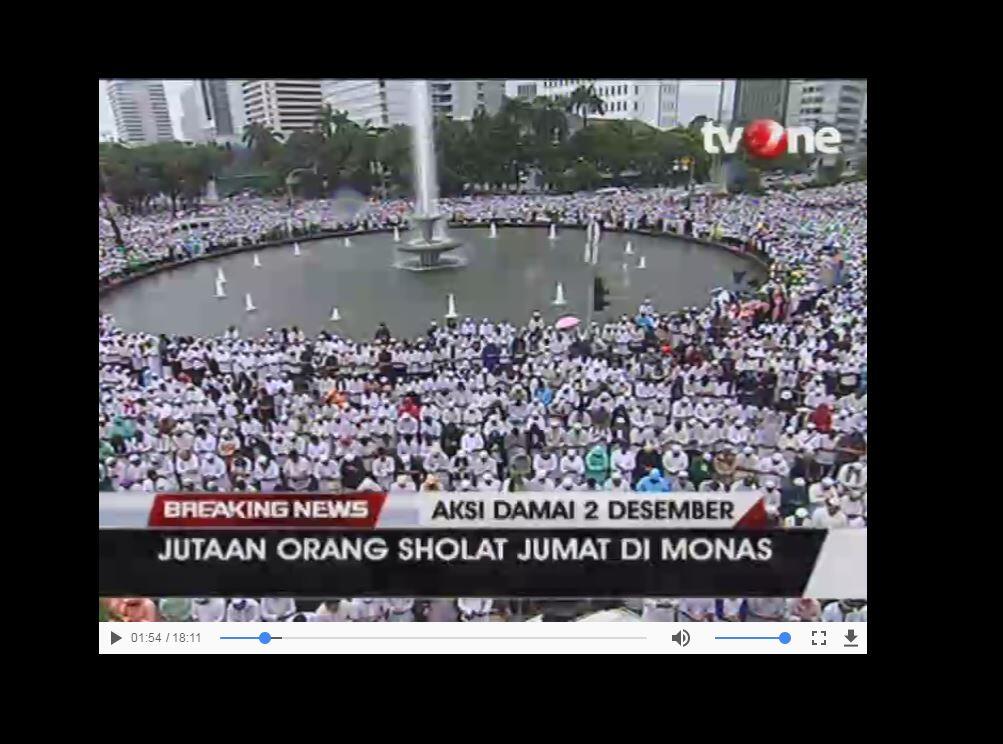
<point x="765" y="138"/>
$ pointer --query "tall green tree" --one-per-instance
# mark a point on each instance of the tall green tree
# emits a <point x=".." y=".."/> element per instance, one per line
<point x="584" y="101"/>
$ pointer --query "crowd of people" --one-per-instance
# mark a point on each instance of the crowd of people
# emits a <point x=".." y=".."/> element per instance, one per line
<point x="161" y="237"/>
<point x="763" y="390"/>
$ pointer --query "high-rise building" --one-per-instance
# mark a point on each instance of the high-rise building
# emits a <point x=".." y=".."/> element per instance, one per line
<point x="760" y="98"/>
<point x="386" y="103"/>
<point x="284" y="106"/>
<point x="193" y="121"/>
<point x="215" y="108"/>
<point x="381" y="103"/>
<point x="655" y="102"/>
<point x="140" y="110"/>
<point x="459" y="99"/>
<point x="525" y="89"/>
<point x="837" y="103"/>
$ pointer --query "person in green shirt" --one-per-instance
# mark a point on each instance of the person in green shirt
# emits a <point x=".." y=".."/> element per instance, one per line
<point x="105" y="450"/>
<point x="700" y="469"/>
<point x="597" y="464"/>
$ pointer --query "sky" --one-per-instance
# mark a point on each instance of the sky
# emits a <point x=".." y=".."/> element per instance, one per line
<point x="695" y="97"/>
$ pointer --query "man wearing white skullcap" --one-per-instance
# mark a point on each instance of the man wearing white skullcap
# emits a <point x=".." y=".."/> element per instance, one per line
<point x="829" y="516"/>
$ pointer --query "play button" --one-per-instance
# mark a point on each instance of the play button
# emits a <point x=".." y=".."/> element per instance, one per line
<point x="115" y="637"/>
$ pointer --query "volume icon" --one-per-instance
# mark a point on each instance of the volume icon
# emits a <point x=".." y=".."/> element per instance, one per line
<point x="682" y="637"/>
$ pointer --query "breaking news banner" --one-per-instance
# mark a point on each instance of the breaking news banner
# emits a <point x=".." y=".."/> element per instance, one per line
<point x="437" y="544"/>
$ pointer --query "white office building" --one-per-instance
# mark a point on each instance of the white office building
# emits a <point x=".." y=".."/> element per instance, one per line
<point x="655" y="102"/>
<point x="839" y="103"/>
<point x="284" y="106"/>
<point x="381" y="103"/>
<point x="387" y="102"/>
<point x="140" y="111"/>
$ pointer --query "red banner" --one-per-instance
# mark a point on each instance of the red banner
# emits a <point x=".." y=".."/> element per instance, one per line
<point x="355" y="510"/>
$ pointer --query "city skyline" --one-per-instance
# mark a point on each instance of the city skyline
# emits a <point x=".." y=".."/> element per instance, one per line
<point x="696" y="97"/>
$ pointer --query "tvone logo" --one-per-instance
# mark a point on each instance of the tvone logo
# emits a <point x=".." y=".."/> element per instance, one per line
<point x="766" y="139"/>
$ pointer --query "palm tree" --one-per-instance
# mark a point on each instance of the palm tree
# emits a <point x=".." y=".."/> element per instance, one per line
<point x="329" y="121"/>
<point x="584" y="101"/>
<point x="260" y="139"/>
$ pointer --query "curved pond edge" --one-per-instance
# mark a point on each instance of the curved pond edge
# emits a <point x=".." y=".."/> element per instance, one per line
<point x="756" y="257"/>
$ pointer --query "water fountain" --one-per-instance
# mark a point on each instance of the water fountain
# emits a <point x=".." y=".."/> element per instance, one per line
<point x="257" y="261"/>
<point x="220" y="292"/>
<point x="220" y="276"/>
<point x="451" y="309"/>
<point x="428" y="249"/>
<point x="559" y="297"/>
<point x="629" y="250"/>
<point x="335" y="315"/>
<point x="296" y="249"/>
<point x="553" y="231"/>
<point x="249" y="303"/>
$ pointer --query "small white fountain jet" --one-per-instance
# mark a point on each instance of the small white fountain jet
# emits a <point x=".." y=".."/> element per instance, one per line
<point x="220" y="277"/>
<point x="629" y="249"/>
<point x="641" y="264"/>
<point x="559" y="296"/>
<point x="257" y="261"/>
<point x="249" y="303"/>
<point x="220" y="292"/>
<point x="397" y="235"/>
<point x="296" y="249"/>
<point x="451" y="307"/>
<point x="553" y="231"/>
<point x="494" y="230"/>
<point x="335" y="315"/>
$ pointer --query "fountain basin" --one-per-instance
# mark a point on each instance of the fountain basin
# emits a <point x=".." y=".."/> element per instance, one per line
<point x="426" y="252"/>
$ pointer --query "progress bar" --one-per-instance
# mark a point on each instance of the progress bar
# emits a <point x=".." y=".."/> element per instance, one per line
<point x="268" y="638"/>
<point x="784" y="638"/>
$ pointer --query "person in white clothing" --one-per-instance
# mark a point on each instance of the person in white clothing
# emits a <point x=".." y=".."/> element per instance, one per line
<point x="853" y="476"/>
<point x="213" y="469"/>
<point x="573" y="465"/>
<point x="367" y="610"/>
<point x="731" y="609"/>
<point x="276" y="609"/>
<point x="266" y="473"/>
<point x="400" y="610"/>
<point x="697" y="610"/>
<point x="210" y="609"/>
<point x="383" y="470"/>
<point x="660" y="610"/>
<point x="830" y="516"/>
<point x="403" y="484"/>
<point x="819" y="493"/>
<point x="297" y="471"/>
<point x="617" y="483"/>
<point x="675" y="459"/>
<point x="476" y="610"/>
<point x="243" y="611"/>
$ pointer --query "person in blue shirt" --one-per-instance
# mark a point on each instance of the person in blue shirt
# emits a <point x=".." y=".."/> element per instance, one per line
<point x="544" y="394"/>
<point x="653" y="482"/>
